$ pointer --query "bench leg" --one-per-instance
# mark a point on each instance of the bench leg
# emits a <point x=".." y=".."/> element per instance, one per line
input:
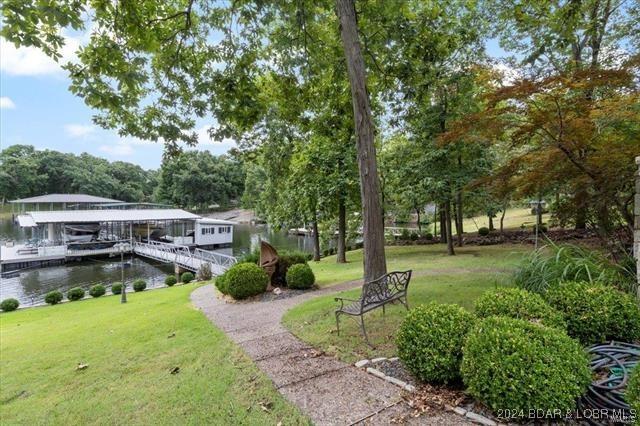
<point x="364" y="331"/>
<point x="338" y="322"/>
<point x="383" y="312"/>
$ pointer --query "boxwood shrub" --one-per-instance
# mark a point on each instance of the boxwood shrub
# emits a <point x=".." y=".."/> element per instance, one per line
<point x="285" y="261"/>
<point x="430" y="341"/>
<point x="75" y="293"/>
<point x="221" y="284"/>
<point x="300" y="276"/>
<point x="244" y="280"/>
<point x="97" y="290"/>
<point x="186" y="277"/>
<point x="116" y="288"/>
<point x="483" y="231"/>
<point x="632" y="393"/>
<point x="596" y="312"/>
<point x="518" y="365"/>
<point x="9" y="305"/>
<point x="170" y="280"/>
<point x="53" y="297"/>
<point x="518" y="303"/>
<point x="139" y="285"/>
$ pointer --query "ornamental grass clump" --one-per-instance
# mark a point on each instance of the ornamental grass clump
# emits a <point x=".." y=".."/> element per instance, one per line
<point x="518" y="303"/>
<point x="430" y="341"/>
<point x="595" y="312"/>
<point x="244" y="280"/>
<point x="512" y="364"/>
<point x="300" y="276"/>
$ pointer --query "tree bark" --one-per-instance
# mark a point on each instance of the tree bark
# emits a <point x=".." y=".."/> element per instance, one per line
<point x="418" y="214"/>
<point x="459" y="228"/>
<point x="580" y="200"/>
<point x="375" y="264"/>
<point x="447" y="222"/>
<point x="342" y="231"/>
<point x="443" y="226"/>
<point x="316" y="237"/>
<point x="491" y="227"/>
<point x="504" y="212"/>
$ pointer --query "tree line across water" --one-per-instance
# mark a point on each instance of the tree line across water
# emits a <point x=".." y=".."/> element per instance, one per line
<point x="194" y="180"/>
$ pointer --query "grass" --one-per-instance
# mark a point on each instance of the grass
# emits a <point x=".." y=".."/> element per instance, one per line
<point x="437" y="277"/>
<point x="431" y="258"/>
<point x="130" y="355"/>
<point x="513" y="219"/>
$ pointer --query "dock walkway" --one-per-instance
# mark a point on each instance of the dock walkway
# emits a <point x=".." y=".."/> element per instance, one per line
<point x="184" y="257"/>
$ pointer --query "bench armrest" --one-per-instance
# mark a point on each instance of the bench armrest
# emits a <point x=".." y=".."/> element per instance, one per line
<point x="344" y="299"/>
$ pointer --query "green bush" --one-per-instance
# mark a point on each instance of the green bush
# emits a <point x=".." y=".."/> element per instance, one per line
<point x="9" y="305"/>
<point x="221" y="283"/>
<point x="595" y="312"/>
<point x="53" y="297"/>
<point x="204" y="272"/>
<point x="251" y="256"/>
<point x="632" y="393"/>
<point x="552" y="264"/>
<point x="75" y="293"/>
<point x="483" y="231"/>
<point x="405" y="234"/>
<point x="517" y="365"/>
<point x="139" y="285"/>
<point x="430" y="341"/>
<point x="300" y="276"/>
<point x="116" y="288"/>
<point x="244" y="280"/>
<point x="428" y="236"/>
<point x="518" y="303"/>
<point x="285" y="261"/>
<point x="414" y="236"/>
<point x="186" y="277"/>
<point x="97" y="290"/>
<point x="170" y="280"/>
<point x="325" y="252"/>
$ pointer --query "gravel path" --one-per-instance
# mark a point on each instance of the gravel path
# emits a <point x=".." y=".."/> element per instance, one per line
<point x="327" y="390"/>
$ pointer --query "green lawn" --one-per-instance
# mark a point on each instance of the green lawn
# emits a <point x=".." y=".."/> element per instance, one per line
<point x="437" y="277"/>
<point x="130" y="356"/>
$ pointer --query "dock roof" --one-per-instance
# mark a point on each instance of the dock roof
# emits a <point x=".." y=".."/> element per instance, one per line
<point x="110" y="215"/>
<point x="65" y="198"/>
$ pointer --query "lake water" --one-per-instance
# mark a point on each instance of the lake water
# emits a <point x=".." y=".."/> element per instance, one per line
<point x="29" y="287"/>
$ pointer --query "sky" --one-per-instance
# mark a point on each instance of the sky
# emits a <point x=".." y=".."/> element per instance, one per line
<point x="36" y="108"/>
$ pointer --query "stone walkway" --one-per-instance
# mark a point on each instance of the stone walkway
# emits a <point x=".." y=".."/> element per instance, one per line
<point x="327" y="390"/>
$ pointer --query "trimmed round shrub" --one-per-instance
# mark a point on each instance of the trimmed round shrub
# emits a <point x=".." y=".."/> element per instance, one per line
<point x="632" y="393"/>
<point x="139" y="285"/>
<point x="414" y="236"/>
<point x="116" y="288"/>
<point x="186" y="277"/>
<point x="430" y="341"/>
<point x="75" y="293"/>
<point x="596" y="312"/>
<point x="483" y="231"/>
<point x="221" y="283"/>
<point x="9" y="305"/>
<point x="97" y="290"/>
<point x="518" y="303"/>
<point x="170" y="280"/>
<point x="300" y="276"/>
<point x="53" y="297"/>
<point x="517" y="365"/>
<point x="244" y="280"/>
<point x="428" y="236"/>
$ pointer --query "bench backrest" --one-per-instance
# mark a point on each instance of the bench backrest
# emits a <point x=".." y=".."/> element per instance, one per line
<point x="385" y="287"/>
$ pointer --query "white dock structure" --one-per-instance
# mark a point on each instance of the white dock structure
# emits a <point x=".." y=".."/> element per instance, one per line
<point x="184" y="257"/>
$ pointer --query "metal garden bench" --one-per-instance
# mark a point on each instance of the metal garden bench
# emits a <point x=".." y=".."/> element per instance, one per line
<point x="389" y="288"/>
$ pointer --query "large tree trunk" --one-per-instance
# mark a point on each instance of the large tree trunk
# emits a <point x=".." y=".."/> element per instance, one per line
<point x="491" y="227"/>
<point x="342" y="231"/>
<point x="443" y="226"/>
<point x="374" y="260"/>
<point x="447" y="222"/>
<point x="459" y="228"/>
<point x="580" y="201"/>
<point x="316" y="237"/>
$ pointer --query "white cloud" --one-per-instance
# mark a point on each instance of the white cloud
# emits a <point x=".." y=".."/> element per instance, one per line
<point x="117" y="150"/>
<point x="79" y="130"/>
<point x="6" y="103"/>
<point x="204" y="139"/>
<point x="31" y="61"/>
